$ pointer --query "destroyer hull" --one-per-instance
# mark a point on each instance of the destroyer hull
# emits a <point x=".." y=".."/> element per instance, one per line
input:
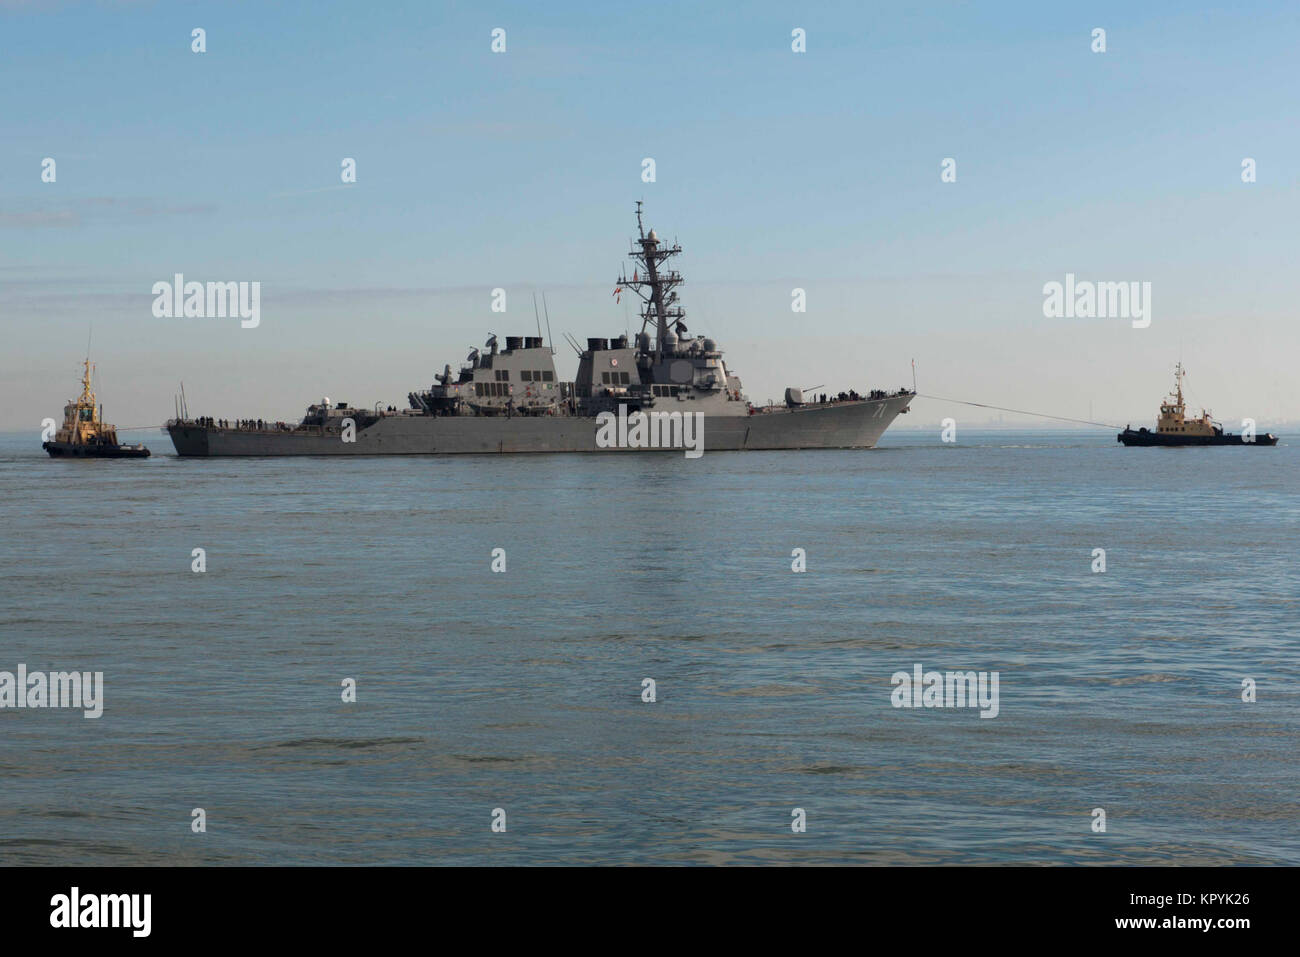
<point x="841" y="425"/>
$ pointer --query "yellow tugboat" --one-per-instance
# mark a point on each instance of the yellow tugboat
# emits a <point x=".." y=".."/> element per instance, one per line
<point x="1174" y="428"/>
<point x="85" y="434"/>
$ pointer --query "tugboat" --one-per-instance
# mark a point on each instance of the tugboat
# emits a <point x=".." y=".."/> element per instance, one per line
<point x="1174" y="428"/>
<point x="85" y="434"/>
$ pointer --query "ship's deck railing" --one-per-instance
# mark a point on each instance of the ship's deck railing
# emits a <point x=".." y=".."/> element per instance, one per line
<point x="839" y="398"/>
<point x="236" y="425"/>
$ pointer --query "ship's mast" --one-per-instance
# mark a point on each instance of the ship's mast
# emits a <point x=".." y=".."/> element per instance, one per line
<point x="87" y="398"/>
<point x="1178" y="383"/>
<point x="653" y="284"/>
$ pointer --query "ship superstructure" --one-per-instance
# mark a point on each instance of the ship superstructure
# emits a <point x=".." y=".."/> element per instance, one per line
<point x="519" y="380"/>
<point x="511" y="399"/>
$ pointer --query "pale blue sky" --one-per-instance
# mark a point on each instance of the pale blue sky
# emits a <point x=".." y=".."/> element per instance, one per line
<point x="775" y="170"/>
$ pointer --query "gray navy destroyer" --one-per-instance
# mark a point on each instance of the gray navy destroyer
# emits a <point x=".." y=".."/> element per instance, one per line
<point x="511" y="400"/>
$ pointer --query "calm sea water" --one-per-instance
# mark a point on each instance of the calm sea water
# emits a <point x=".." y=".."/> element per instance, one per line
<point x="522" y="690"/>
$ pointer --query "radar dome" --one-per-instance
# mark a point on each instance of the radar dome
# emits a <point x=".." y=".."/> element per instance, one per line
<point x="653" y="237"/>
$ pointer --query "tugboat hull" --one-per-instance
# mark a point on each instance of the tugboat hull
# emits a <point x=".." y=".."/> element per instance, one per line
<point x="68" y="450"/>
<point x="1144" y="437"/>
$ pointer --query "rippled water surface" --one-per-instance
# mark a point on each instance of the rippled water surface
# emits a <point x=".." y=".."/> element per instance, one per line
<point x="522" y="690"/>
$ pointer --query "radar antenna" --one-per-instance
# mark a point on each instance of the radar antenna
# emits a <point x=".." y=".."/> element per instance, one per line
<point x="653" y="283"/>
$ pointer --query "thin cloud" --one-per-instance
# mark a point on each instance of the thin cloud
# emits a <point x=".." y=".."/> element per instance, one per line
<point x="96" y="209"/>
<point x="318" y="189"/>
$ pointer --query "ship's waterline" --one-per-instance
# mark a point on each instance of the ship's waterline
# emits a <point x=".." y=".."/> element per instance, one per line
<point x="848" y="425"/>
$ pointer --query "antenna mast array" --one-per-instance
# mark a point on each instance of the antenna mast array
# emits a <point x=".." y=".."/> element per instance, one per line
<point x="653" y="284"/>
